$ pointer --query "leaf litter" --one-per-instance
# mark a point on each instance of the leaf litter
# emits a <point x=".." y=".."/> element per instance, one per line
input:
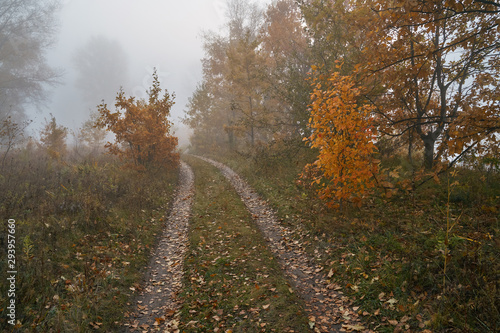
<point x="234" y="281"/>
<point x="155" y="307"/>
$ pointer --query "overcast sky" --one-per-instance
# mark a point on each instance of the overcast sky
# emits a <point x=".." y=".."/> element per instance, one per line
<point x="154" y="33"/>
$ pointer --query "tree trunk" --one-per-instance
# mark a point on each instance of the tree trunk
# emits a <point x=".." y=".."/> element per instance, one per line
<point x="410" y="149"/>
<point x="252" y="133"/>
<point x="429" y="153"/>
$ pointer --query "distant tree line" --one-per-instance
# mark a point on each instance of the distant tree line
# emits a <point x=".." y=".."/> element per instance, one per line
<point x="430" y="70"/>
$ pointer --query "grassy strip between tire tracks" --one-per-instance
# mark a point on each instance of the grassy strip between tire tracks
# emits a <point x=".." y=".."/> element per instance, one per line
<point x="232" y="281"/>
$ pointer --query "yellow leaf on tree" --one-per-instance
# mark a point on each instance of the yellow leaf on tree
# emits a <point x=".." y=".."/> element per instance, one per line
<point x="342" y="131"/>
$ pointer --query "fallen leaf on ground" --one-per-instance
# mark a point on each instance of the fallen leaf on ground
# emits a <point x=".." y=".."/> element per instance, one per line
<point x="353" y="327"/>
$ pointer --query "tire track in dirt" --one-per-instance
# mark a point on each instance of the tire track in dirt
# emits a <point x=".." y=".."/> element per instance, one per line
<point x="158" y="297"/>
<point x="328" y="309"/>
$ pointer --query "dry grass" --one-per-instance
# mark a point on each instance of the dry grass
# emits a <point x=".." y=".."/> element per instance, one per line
<point x="84" y="232"/>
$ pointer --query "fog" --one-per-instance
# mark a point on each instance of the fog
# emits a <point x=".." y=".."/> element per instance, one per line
<point x="161" y="34"/>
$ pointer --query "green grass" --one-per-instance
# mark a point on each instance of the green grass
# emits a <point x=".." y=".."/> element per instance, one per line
<point x="84" y="233"/>
<point x="232" y="282"/>
<point x="389" y="255"/>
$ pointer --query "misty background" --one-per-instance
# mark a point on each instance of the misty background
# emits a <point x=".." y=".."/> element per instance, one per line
<point x="102" y="45"/>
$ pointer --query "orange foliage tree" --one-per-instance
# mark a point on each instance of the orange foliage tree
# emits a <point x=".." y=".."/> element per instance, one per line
<point x="142" y="129"/>
<point x="439" y="64"/>
<point x="431" y="69"/>
<point x="345" y="170"/>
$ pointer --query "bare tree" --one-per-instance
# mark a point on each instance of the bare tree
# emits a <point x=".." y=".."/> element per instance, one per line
<point x="90" y="135"/>
<point x="243" y="18"/>
<point x="26" y="30"/>
<point x="101" y="64"/>
<point x="11" y="134"/>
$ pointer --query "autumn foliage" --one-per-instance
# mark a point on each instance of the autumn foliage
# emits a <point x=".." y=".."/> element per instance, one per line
<point x="53" y="138"/>
<point x="253" y="91"/>
<point x="341" y="128"/>
<point x="433" y="67"/>
<point x="142" y="129"/>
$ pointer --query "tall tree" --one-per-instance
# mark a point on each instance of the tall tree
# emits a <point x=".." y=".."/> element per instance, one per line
<point x="439" y="64"/>
<point x="286" y="50"/>
<point x="429" y="67"/>
<point x="245" y="80"/>
<point x="337" y="30"/>
<point x="26" y="31"/>
<point x="209" y="109"/>
<point x="211" y="123"/>
<point x="231" y="75"/>
<point x="254" y="85"/>
<point x="102" y="68"/>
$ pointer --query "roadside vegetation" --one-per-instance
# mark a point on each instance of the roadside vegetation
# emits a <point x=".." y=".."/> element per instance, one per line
<point x="374" y="125"/>
<point x="427" y="260"/>
<point x="86" y="221"/>
<point x="84" y="230"/>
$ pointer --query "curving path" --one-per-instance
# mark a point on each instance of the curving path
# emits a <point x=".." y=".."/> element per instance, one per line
<point x="329" y="311"/>
<point x="163" y="280"/>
